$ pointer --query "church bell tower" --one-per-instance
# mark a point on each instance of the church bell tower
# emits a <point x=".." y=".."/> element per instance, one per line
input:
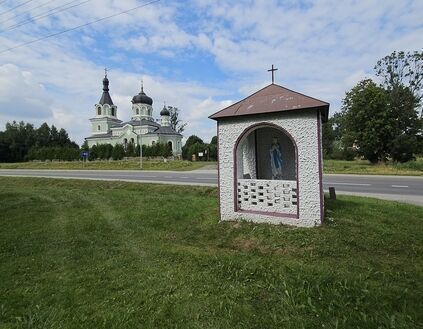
<point x="105" y="111"/>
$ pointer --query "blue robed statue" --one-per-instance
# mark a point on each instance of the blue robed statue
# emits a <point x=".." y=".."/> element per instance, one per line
<point x="276" y="159"/>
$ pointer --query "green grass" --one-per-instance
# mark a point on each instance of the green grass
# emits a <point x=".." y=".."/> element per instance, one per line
<point x="132" y="164"/>
<point x="85" y="254"/>
<point x="412" y="168"/>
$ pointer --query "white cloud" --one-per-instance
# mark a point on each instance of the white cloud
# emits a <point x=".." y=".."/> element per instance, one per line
<point x="321" y="49"/>
<point x="21" y="96"/>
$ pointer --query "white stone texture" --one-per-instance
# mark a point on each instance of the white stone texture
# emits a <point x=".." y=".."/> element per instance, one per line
<point x="303" y="127"/>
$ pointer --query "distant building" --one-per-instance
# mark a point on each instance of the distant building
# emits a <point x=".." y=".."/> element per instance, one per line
<point x="141" y="129"/>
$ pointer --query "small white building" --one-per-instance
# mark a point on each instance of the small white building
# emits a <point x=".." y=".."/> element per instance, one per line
<point x="142" y="128"/>
<point x="270" y="158"/>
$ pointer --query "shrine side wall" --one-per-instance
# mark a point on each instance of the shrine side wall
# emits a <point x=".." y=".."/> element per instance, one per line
<point x="303" y="127"/>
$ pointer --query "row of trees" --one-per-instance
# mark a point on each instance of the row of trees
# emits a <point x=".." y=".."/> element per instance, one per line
<point x="195" y="145"/>
<point x="381" y="121"/>
<point x="21" y="142"/>
<point x="118" y="151"/>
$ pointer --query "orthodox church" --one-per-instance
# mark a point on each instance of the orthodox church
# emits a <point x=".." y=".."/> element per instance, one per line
<point x="141" y="129"/>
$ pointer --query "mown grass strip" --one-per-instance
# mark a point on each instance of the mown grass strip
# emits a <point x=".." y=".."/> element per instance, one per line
<point x="85" y="254"/>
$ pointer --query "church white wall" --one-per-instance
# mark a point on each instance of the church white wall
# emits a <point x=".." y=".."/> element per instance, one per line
<point x="105" y="124"/>
<point x="176" y="143"/>
<point x="303" y="127"/>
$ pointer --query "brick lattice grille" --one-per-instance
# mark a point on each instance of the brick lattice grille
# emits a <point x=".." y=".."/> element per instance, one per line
<point x="279" y="196"/>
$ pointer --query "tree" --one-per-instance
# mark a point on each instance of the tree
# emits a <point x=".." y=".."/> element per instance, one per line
<point x="402" y="107"/>
<point x="193" y="139"/>
<point x="402" y="78"/>
<point x="331" y="139"/>
<point x="214" y="140"/>
<point x="85" y="147"/>
<point x="175" y="122"/>
<point x="366" y="122"/>
<point x="190" y="141"/>
<point x="382" y="123"/>
<point x="63" y="137"/>
<point x="43" y="135"/>
<point x="328" y="138"/>
<point x="130" y="150"/>
<point x="104" y="151"/>
<point x="401" y="69"/>
<point x="118" y="152"/>
<point x="196" y="148"/>
<point x="54" y="136"/>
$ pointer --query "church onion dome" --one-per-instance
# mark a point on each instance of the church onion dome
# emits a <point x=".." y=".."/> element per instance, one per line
<point x="142" y="98"/>
<point x="105" y="98"/>
<point x="165" y="111"/>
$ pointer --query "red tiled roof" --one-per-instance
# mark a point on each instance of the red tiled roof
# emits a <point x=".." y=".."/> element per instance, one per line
<point x="272" y="99"/>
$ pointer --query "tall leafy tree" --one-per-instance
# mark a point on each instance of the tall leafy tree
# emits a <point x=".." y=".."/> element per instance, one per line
<point x="175" y="122"/>
<point x="383" y="120"/>
<point x="43" y="135"/>
<point x="366" y="121"/>
<point x="401" y="69"/>
<point x="193" y="139"/>
<point x="63" y="137"/>
<point x="402" y="77"/>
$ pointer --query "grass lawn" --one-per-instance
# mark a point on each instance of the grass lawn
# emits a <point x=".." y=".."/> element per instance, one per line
<point x="86" y="254"/>
<point x="412" y="168"/>
<point x="132" y="164"/>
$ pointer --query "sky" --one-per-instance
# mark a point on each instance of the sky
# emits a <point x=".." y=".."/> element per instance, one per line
<point x="199" y="56"/>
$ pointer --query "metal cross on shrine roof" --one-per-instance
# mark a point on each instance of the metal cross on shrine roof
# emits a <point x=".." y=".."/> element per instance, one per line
<point x="273" y="73"/>
<point x="105" y="71"/>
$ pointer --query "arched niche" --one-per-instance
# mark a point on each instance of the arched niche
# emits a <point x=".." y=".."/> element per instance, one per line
<point x="253" y="158"/>
<point x="259" y="187"/>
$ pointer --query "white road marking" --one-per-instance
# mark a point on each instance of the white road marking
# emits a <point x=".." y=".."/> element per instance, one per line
<point x="399" y="185"/>
<point x="167" y="176"/>
<point x="184" y="177"/>
<point x="351" y="184"/>
<point x="203" y="178"/>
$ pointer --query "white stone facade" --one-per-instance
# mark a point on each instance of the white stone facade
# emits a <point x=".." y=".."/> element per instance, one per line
<point x="303" y="202"/>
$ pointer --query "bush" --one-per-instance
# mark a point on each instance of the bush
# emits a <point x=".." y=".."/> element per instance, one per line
<point x="130" y="150"/>
<point x="403" y="148"/>
<point x="346" y="153"/>
<point x="64" y="153"/>
<point x="104" y="151"/>
<point x="118" y="152"/>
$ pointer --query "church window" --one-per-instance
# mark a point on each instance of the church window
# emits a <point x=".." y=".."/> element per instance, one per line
<point x="138" y="111"/>
<point x="98" y="128"/>
<point x="125" y="143"/>
<point x="170" y="145"/>
<point x="113" y="112"/>
<point x="153" y="142"/>
<point x="99" y="111"/>
<point x="132" y="140"/>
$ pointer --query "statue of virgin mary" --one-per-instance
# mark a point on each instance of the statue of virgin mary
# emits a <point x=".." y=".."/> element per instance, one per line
<point x="276" y="159"/>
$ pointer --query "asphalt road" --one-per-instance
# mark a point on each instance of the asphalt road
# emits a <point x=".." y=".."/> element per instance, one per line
<point x="401" y="188"/>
